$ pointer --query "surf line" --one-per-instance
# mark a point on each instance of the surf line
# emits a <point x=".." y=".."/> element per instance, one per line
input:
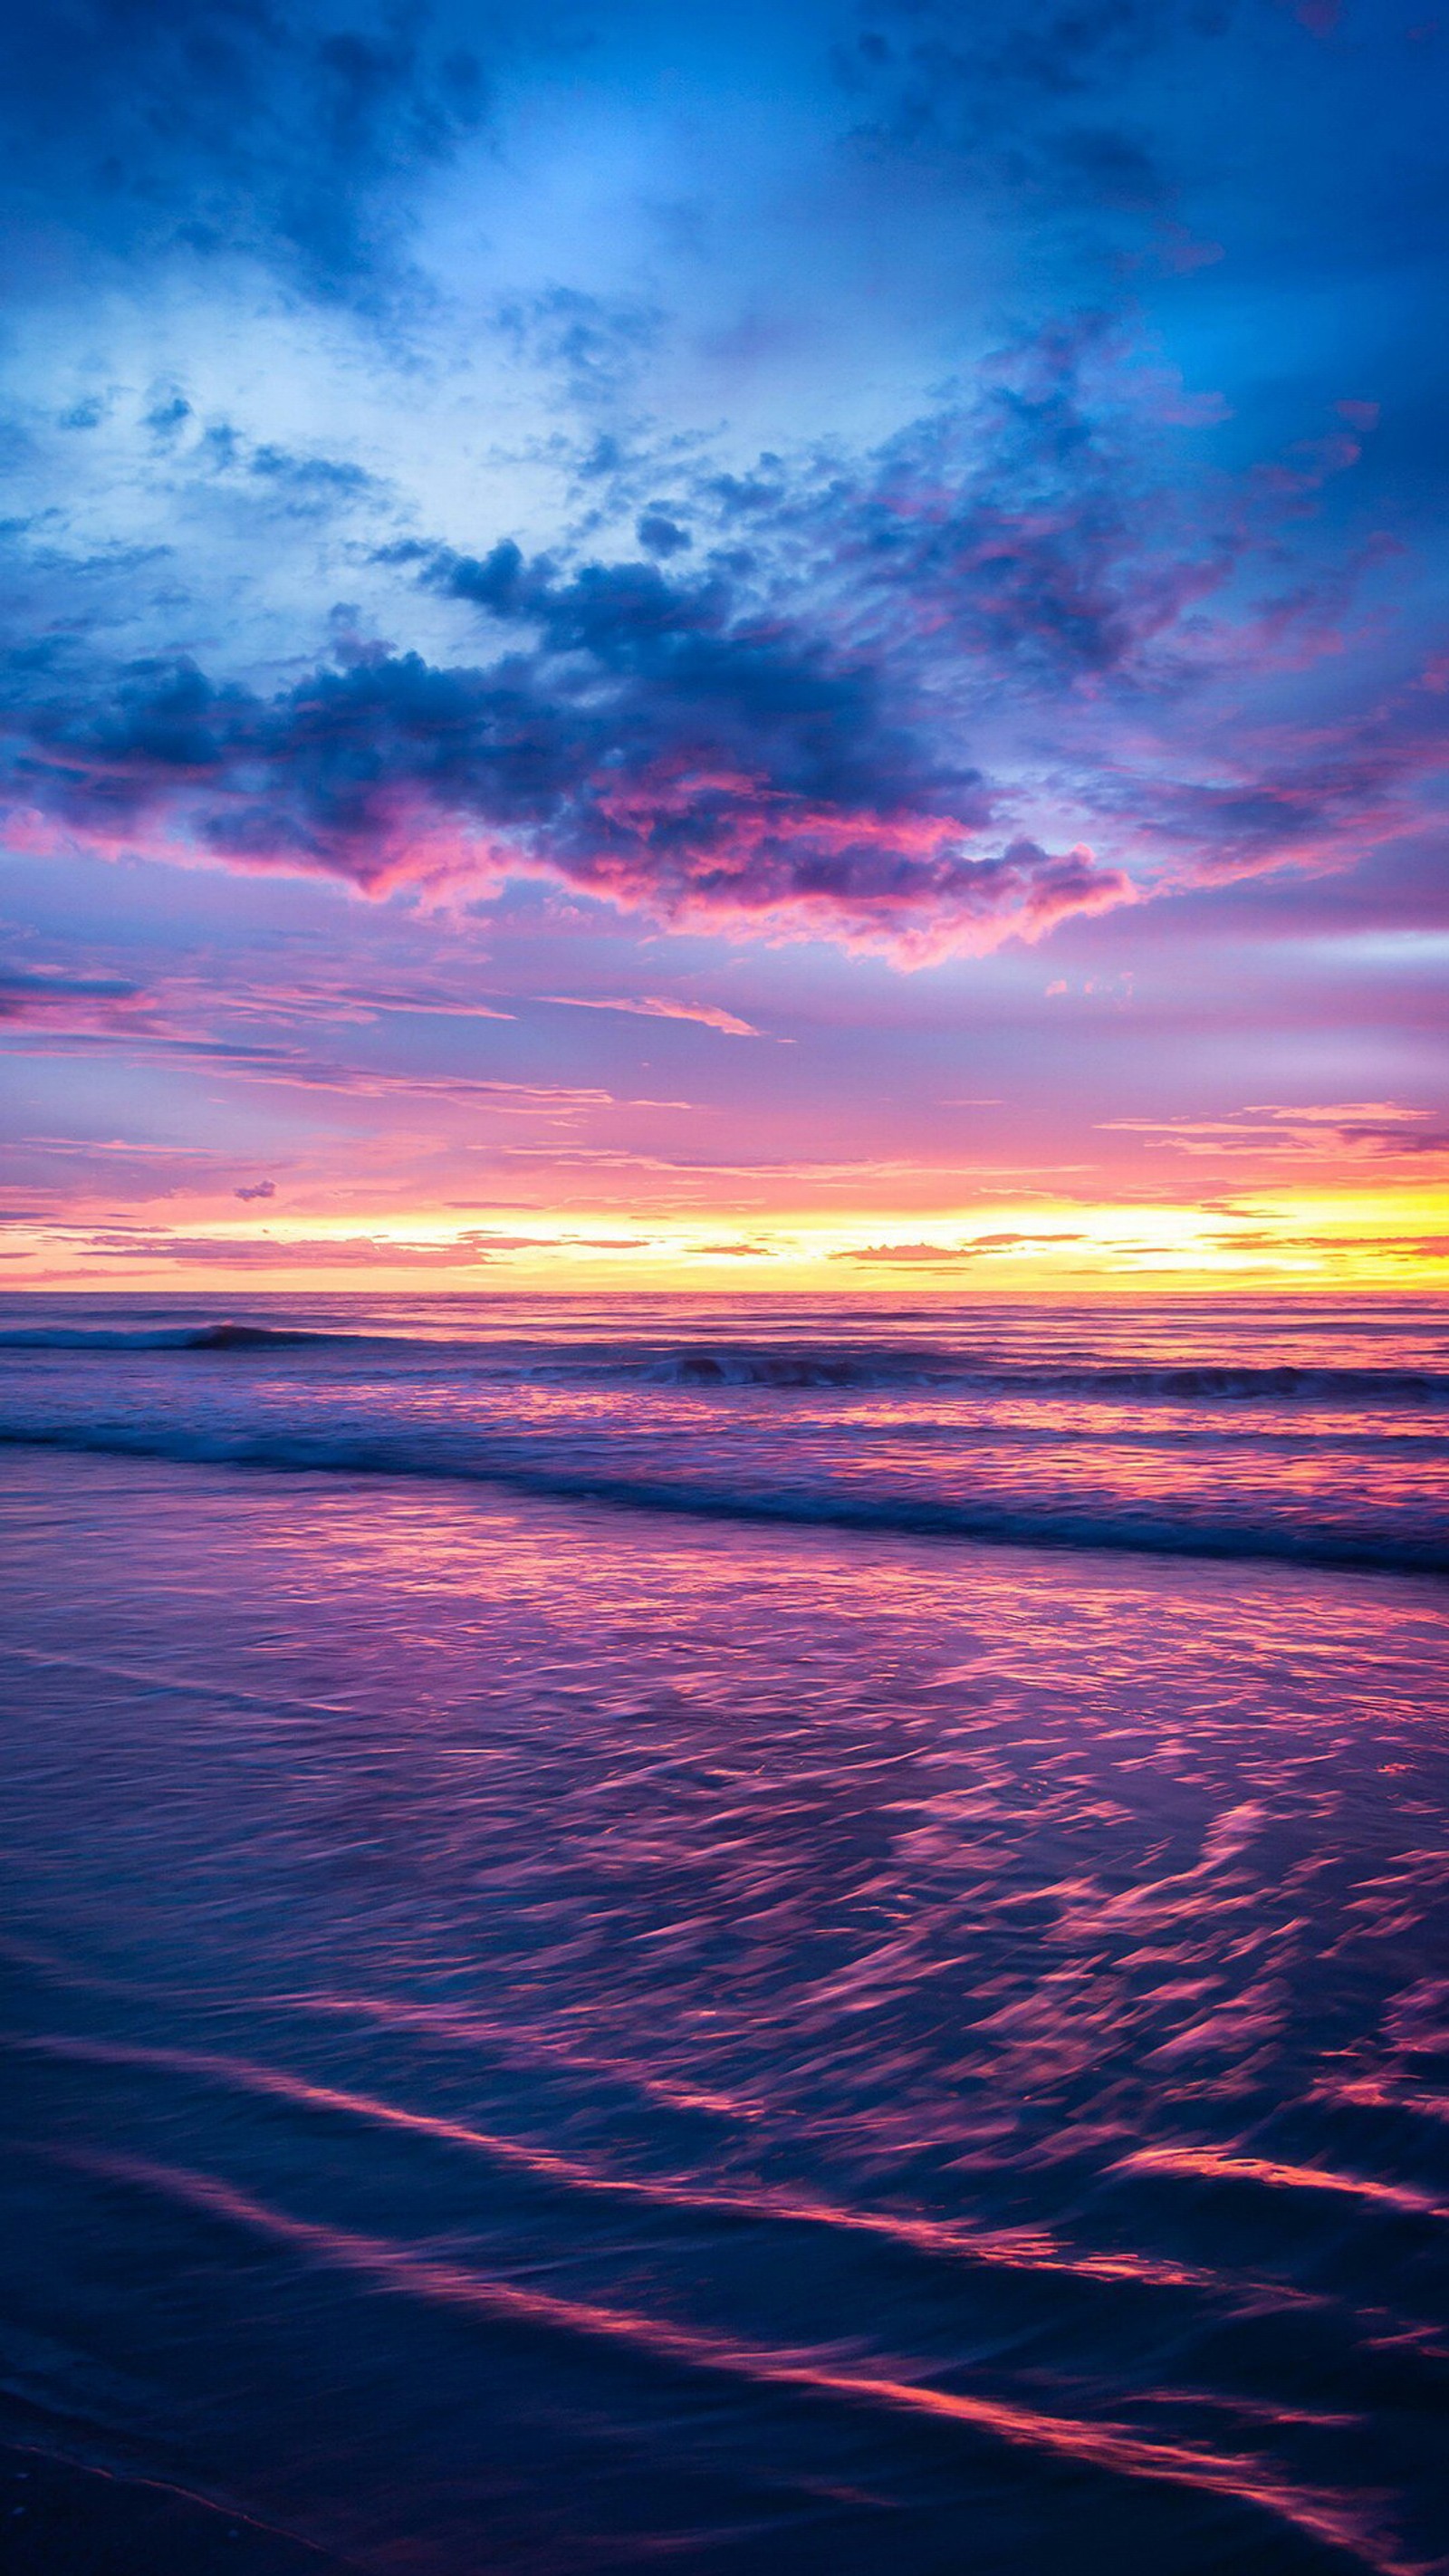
<point x="1109" y="2448"/>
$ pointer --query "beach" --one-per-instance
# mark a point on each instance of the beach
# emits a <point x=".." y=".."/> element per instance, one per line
<point x="558" y="2029"/>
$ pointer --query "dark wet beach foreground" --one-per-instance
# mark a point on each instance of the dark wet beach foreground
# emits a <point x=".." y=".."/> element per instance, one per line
<point x="544" y="2037"/>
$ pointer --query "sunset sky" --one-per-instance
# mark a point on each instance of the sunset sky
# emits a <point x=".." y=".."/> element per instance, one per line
<point x="732" y="648"/>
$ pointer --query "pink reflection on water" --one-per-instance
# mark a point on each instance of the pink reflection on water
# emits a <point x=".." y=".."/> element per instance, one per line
<point x="1108" y="2447"/>
<point x="762" y="1951"/>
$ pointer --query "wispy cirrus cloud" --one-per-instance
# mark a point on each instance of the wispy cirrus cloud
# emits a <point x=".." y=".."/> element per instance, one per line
<point x="1315" y="1133"/>
<point x="45" y="992"/>
<point x="650" y="1006"/>
<point x="469" y="1250"/>
<point x="292" y="1067"/>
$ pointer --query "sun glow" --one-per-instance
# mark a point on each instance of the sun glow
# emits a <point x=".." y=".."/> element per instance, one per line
<point x="1353" y="1240"/>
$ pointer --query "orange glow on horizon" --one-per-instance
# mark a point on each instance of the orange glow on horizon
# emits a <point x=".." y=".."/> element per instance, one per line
<point x="1352" y="1240"/>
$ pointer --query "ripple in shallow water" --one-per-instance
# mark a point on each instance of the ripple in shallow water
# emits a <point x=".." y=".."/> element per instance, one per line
<point x="553" y="2040"/>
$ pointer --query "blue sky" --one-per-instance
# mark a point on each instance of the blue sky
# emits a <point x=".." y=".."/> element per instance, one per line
<point x="540" y="544"/>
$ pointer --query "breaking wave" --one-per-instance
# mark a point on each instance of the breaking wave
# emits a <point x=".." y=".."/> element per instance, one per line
<point x="1400" y="1546"/>
<point x="789" y="1366"/>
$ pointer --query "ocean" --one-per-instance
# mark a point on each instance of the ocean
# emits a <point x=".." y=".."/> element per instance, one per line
<point x="729" y="1935"/>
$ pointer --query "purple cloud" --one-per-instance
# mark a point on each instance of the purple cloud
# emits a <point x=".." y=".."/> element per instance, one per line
<point x="661" y="746"/>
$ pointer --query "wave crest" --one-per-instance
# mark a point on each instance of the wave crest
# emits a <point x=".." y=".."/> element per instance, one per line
<point x="1397" y="1547"/>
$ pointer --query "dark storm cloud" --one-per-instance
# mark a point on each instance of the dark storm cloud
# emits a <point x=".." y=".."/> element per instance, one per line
<point x="1028" y="96"/>
<point x="1114" y="128"/>
<point x="925" y="65"/>
<point x="781" y="735"/>
<point x="653" y="744"/>
<point x="660" y="535"/>
<point x="228" y="125"/>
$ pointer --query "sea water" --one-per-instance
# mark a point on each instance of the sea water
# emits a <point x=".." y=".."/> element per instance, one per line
<point x="726" y="1935"/>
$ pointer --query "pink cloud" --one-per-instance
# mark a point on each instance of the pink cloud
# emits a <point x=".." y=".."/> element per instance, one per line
<point x="649" y="1007"/>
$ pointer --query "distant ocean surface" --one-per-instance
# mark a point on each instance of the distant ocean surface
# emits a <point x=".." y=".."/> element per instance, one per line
<point x="724" y="1935"/>
<point x="1256" y="1429"/>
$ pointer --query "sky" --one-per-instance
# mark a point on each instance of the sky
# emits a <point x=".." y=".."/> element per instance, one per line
<point x="735" y="648"/>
